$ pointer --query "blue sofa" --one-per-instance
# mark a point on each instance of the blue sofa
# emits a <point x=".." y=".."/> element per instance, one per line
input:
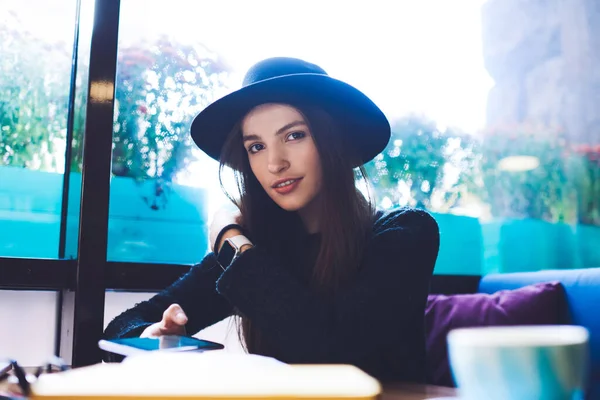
<point x="582" y="287"/>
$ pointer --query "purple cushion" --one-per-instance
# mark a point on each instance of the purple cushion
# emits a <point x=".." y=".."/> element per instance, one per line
<point x="538" y="304"/>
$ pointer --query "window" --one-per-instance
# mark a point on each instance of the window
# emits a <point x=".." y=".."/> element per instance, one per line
<point x="494" y="161"/>
<point x="43" y="94"/>
<point x="35" y="89"/>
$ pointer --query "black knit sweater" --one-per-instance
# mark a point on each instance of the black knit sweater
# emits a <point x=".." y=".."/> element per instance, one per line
<point x="376" y="323"/>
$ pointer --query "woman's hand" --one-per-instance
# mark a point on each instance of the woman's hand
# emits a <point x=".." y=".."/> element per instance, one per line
<point x="172" y="323"/>
<point x="222" y="218"/>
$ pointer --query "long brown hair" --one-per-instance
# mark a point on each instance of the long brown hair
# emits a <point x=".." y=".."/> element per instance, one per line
<point x="346" y="215"/>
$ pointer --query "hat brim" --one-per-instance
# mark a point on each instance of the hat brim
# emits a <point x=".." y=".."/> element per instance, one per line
<point x="363" y="123"/>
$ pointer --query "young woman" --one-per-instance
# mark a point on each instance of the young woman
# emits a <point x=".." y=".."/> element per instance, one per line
<point x="314" y="273"/>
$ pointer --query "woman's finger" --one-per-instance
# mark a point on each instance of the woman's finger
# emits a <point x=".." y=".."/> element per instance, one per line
<point x="174" y="316"/>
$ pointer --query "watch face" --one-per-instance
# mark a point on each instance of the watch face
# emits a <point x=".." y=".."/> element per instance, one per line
<point x="226" y="254"/>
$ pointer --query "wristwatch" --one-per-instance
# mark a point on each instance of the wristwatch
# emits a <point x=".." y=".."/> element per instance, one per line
<point x="231" y="249"/>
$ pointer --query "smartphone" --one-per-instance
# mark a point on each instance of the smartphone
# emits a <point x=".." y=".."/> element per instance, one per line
<point x="129" y="346"/>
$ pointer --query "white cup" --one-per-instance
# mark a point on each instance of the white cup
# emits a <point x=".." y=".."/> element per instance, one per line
<point x="545" y="362"/>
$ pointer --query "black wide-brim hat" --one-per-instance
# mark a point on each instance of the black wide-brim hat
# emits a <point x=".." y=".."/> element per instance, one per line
<point x="291" y="80"/>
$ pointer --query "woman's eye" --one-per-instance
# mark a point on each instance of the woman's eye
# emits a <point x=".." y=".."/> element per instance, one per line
<point x="255" y="148"/>
<point x="296" y="135"/>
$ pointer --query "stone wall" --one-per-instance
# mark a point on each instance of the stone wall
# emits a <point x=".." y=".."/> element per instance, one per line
<point x="544" y="56"/>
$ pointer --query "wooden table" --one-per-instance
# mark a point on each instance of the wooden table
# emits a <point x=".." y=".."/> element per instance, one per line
<point x="416" y="392"/>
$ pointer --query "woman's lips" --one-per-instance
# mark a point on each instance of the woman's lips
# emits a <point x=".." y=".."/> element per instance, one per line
<point x="289" y="187"/>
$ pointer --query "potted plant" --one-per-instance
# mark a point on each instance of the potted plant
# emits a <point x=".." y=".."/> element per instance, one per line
<point x="160" y="86"/>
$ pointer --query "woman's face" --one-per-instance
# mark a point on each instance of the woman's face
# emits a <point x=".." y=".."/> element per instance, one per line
<point x="283" y="155"/>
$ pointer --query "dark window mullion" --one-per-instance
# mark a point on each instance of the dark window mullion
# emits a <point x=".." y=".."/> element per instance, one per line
<point x="67" y="173"/>
<point x="36" y="274"/>
<point x="83" y="309"/>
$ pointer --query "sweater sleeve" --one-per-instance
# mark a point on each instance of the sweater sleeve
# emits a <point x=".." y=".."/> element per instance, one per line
<point x="386" y="299"/>
<point x="196" y="294"/>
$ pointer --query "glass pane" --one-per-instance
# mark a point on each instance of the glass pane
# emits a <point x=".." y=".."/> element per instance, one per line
<point x="497" y="141"/>
<point x="86" y="24"/>
<point x="36" y="49"/>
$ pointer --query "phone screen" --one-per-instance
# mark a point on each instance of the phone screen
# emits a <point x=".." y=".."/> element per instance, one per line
<point x="167" y="343"/>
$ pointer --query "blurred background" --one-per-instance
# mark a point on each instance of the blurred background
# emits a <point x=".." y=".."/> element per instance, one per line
<point x="494" y="105"/>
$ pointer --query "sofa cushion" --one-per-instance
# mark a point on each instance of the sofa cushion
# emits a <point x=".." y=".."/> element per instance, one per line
<point x="537" y="304"/>
<point x="583" y="297"/>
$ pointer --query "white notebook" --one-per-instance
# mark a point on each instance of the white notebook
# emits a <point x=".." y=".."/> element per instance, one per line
<point x="207" y="375"/>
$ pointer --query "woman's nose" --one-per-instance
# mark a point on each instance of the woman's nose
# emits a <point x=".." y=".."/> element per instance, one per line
<point x="277" y="163"/>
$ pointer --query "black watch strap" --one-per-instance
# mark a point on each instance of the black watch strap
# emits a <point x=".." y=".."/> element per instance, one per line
<point x="231" y="249"/>
<point x="222" y="232"/>
<point x="225" y="255"/>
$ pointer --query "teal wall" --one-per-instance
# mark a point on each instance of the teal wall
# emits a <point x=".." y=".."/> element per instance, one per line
<point x="177" y="233"/>
<point x="30" y="204"/>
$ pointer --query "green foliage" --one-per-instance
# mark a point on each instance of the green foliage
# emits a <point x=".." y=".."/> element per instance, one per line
<point x="439" y="170"/>
<point x="585" y="176"/>
<point x="162" y="84"/>
<point x="160" y="87"/>
<point x="423" y="166"/>
<point x="513" y="189"/>
<point x="34" y="88"/>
